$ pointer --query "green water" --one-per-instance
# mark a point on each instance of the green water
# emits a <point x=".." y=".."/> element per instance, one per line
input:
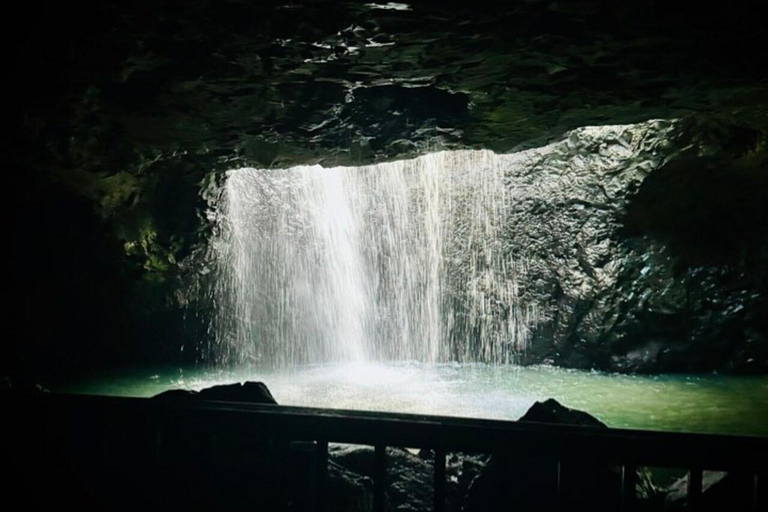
<point x="700" y="403"/>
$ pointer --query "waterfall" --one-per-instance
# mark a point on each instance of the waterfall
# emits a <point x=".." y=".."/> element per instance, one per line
<point x="402" y="260"/>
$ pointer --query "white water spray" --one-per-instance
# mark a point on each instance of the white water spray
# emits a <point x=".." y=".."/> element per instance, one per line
<point x="395" y="261"/>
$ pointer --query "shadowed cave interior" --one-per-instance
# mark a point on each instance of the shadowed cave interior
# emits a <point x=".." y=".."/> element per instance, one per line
<point x="452" y="208"/>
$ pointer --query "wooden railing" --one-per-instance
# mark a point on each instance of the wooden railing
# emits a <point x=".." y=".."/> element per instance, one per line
<point x="629" y="449"/>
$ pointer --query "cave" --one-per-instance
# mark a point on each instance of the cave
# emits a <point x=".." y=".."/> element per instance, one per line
<point x="477" y="215"/>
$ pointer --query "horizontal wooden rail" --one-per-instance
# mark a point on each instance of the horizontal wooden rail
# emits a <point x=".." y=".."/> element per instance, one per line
<point x="626" y="448"/>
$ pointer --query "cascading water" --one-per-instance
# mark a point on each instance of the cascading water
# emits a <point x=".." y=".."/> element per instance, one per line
<point x="401" y="260"/>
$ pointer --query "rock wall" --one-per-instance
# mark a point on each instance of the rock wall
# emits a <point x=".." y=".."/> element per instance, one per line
<point x="630" y="248"/>
<point x="659" y="264"/>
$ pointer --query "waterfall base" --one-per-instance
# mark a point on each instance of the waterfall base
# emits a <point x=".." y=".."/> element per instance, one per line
<point x="706" y="403"/>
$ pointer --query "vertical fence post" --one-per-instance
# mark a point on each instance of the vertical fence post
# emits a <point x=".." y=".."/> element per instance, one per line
<point x="321" y="475"/>
<point x="759" y="501"/>
<point x="379" y="477"/>
<point x="158" y="444"/>
<point x="628" y="484"/>
<point x="439" y="484"/>
<point x="214" y="446"/>
<point x="695" y="477"/>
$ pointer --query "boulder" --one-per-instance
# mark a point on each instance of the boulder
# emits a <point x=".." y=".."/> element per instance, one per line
<point x="10" y="384"/>
<point x="251" y="392"/>
<point x="721" y="491"/>
<point x="348" y="491"/>
<point x="409" y="478"/>
<point x="551" y="411"/>
<point x="509" y="483"/>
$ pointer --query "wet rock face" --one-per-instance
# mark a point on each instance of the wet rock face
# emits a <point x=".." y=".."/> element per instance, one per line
<point x="642" y="252"/>
<point x="695" y="285"/>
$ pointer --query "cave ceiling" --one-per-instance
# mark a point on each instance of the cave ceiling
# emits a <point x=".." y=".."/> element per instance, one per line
<point x="114" y="88"/>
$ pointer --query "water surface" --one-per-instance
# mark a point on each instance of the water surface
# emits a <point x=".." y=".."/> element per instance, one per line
<point x="698" y="403"/>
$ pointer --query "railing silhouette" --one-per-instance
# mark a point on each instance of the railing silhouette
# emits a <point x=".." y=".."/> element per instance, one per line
<point x="240" y="422"/>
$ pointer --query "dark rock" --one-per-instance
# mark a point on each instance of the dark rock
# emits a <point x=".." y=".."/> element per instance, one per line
<point x="410" y="476"/>
<point x="656" y="265"/>
<point x="348" y="491"/>
<point x="551" y="411"/>
<point x="461" y="470"/>
<point x="720" y="491"/>
<point x="23" y="386"/>
<point x="177" y="394"/>
<point x="251" y="392"/>
<point x="254" y="392"/>
<point x="697" y="240"/>
<point x="509" y="483"/>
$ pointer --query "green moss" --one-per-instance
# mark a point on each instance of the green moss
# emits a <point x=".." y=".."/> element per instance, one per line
<point x="154" y="257"/>
<point x="122" y="201"/>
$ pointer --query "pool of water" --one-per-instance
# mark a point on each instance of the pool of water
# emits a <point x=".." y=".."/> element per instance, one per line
<point x="693" y="403"/>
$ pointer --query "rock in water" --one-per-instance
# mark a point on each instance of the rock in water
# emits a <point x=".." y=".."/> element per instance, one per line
<point x="510" y="483"/>
<point x="551" y="411"/>
<point x="201" y="471"/>
<point x="251" y="392"/>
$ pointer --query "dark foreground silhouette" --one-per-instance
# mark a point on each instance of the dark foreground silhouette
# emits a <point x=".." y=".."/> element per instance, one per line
<point x="189" y="450"/>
